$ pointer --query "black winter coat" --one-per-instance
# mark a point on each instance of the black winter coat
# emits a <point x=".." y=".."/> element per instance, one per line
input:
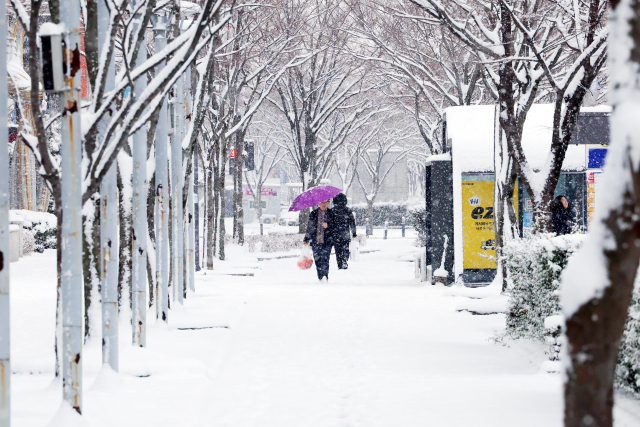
<point x="312" y="227"/>
<point x="344" y="223"/>
<point x="561" y="218"/>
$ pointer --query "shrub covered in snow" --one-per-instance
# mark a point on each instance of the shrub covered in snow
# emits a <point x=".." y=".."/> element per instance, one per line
<point x="534" y="265"/>
<point x="42" y="225"/>
<point x="392" y="212"/>
<point x="628" y="369"/>
<point x="28" y="242"/>
<point x="278" y="242"/>
<point x="418" y="220"/>
<point x="274" y="242"/>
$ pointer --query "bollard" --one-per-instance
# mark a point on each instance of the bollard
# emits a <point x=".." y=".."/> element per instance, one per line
<point x="261" y="229"/>
<point x="366" y="220"/>
<point x="403" y="223"/>
<point x="386" y="229"/>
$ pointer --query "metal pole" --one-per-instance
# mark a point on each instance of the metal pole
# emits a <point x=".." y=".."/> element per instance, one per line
<point x="176" y="192"/>
<point x="139" y="207"/>
<point x="72" y="285"/>
<point x="5" y="330"/>
<point x="162" y="186"/>
<point x="196" y="207"/>
<point x="108" y="225"/>
<point x="403" y="224"/>
<point x="386" y="226"/>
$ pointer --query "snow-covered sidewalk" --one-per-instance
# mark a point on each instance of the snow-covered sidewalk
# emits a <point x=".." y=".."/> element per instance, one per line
<point x="373" y="347"/>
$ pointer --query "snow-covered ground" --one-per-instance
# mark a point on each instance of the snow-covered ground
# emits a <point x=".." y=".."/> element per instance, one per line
<point x="373" y="347"/>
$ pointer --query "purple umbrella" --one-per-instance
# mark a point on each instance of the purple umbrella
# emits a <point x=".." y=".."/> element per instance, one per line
<point x="313" y="197"/>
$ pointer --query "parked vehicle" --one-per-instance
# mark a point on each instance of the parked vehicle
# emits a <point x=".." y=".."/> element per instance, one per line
<point x="288" y="218"/>
<point x="268" y="219"/>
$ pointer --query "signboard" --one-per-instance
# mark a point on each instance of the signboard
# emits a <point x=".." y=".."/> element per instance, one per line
<point x="478" y="233"/>
<point x="479" y="249"/>
<point x="593" y="182"/>
<point x="264" y="192"/>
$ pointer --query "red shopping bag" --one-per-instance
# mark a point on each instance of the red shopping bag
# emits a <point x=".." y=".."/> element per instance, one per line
<point x="305" y="260"/>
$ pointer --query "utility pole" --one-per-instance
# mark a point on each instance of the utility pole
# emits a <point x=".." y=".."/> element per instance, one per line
<point x="108" y="221"/>
<point x="70" y="153"/>
<point x="162" y="186"/>
<point x="139" y="207"/>
<point x="5" y="330"/>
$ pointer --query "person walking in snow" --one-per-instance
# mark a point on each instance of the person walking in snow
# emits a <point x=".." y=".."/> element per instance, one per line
<point x="344" y="227"/>
<point x="561" y="218"/>
<point x="320" y="235"/>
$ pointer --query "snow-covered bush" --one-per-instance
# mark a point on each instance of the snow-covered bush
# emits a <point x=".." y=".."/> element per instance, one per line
<point x="418" y="220"/>
<point x="392" y="212"/>
<point x="280" y="242"/>
<point x="42" y="225"/>
<point x="553" y="330"/>
<point x="274" y="242"/>
<point x="628" y="369"/>
<point x="28" y="242"/>
<point x="534" y="265"/>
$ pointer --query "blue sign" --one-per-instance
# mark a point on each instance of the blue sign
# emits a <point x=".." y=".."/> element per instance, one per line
<point x="596" y="158"/>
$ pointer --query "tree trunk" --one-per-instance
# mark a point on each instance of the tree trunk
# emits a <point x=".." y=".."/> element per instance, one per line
<point x="504" y="179"/>
<point x="594" y="330"/>
<point x="370" y="215"/>
<point x="58" y="341"/>
<point x="210" y="219"/>
<point x="124" y="246"/>
<point x="258" y="202"/>
<point x="90" y="260"/>
<point x="151" y="208"/>
<point x="303" y="219"/>
<point x="196" y="206"/>
<point x="596" y="301"/>
<point x="238" y="213"/>
<point x="221" y="201"/>
<point x="110" y="271"/>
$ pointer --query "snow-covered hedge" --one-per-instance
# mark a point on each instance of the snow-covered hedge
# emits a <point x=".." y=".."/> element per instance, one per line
<point x="28" y="242"/>
<point x="392" y="212"/>
<point x="42" y="225"/>
<point x="534" y="265"/>
<point x="279" y="242"/>
<point x="418" y="220"/>
<point x="628" y="369"/>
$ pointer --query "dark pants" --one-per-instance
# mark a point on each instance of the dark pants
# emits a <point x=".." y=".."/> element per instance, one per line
<point x="321" y="254"/>
<point x="342" y="253"/>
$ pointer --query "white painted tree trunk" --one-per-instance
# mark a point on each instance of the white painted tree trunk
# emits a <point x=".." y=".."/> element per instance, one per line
<point x="5" y="336"/>
<point x="139" y="214"/>
<point x="162" y="198"/>
<point x="70" y="153"/>
<point x="176" y="193"/>
<point x="109" y="266"/>
<point x="108" y="223"/>
<point x="191" y="266"/>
